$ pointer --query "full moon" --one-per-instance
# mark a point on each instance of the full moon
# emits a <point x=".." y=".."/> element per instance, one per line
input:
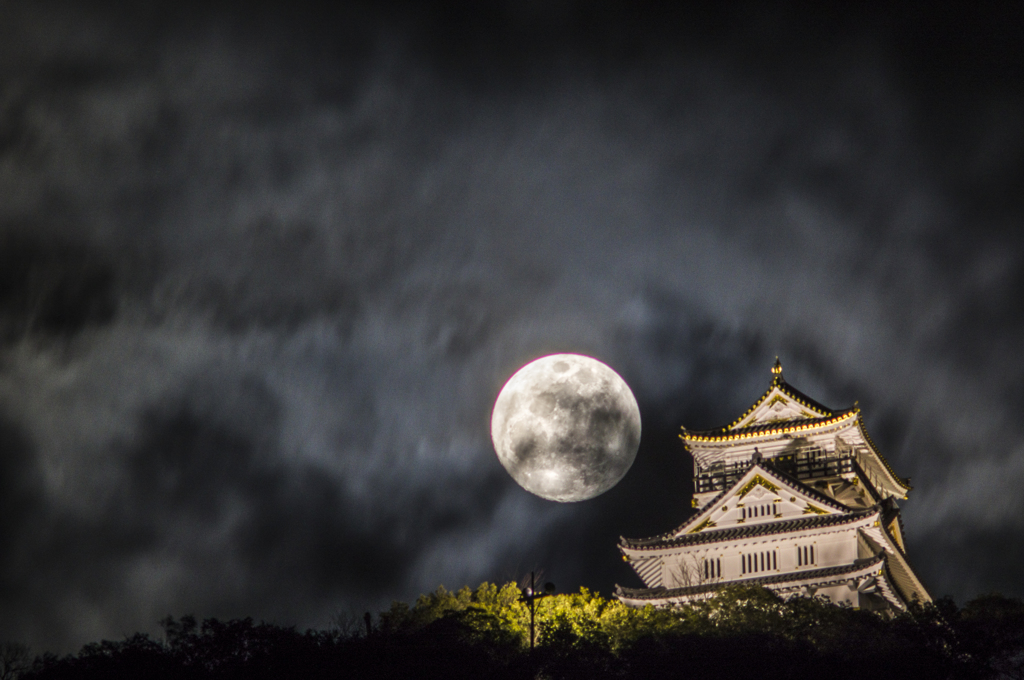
<point x="566" y="427"/>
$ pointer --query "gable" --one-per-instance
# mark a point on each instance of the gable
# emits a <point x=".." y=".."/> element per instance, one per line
<point x="777" y="405"/>
<point x="760" y="496"/>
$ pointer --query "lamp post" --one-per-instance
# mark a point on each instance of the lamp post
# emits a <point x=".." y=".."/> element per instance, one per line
<point x="530" y="596"/>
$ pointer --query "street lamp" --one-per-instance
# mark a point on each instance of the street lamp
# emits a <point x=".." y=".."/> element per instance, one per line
<point x="530" y="596"/>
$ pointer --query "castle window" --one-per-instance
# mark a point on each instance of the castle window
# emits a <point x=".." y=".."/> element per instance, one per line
<point x="713" y="568"/>
<point x="754" y="563"/>
<point x="805" y="555"/>
<point x="757" y="511"/>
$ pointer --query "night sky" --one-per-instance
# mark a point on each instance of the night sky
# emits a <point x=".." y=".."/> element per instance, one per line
<point x="265" y="267"/>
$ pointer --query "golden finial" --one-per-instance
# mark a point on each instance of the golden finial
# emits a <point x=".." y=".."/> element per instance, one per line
<point x="777" y="368"/>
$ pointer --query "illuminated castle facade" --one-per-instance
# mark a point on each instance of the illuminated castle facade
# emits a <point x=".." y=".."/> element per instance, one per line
<point x="792" y="496"/>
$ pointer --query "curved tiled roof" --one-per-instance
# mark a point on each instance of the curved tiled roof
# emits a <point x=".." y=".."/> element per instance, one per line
<point x="894" y="588"/>
<point x="774" y="579"/>
<point x="905" y="483"/>
<point x="748" y="530"/>
<point x="769" y="428"/>
<point x="731" y="433"/>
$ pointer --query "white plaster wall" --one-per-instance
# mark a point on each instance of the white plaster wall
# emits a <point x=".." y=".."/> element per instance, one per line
<point x="831" y="549"/>
<point x="836" y="549"/>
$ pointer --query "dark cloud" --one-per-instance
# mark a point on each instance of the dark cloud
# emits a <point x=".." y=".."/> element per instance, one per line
<point x="264" y="269"/>
<point x="55" y="290"/>
<point x="21" y="491"/>
<point x="214" y="485"/>
<point x="204" y="508"/>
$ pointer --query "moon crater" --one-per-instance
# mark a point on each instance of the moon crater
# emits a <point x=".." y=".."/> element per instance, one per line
<point x="566" y="427"/>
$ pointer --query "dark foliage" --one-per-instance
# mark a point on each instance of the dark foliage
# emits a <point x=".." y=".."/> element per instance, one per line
<point x="740" y="633"/>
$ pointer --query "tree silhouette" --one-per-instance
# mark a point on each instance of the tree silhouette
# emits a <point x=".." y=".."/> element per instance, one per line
<point x="14" y="660"/>
<point x="738" y="632"/>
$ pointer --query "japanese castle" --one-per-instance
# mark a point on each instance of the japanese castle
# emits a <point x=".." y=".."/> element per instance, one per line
<point x="792" y="496"/>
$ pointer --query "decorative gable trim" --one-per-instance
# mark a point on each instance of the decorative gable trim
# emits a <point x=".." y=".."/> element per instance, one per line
<point x="814" y="510"/>
<point x="778" y="393"/>
<point x="757" y="480"/>
<point x="706" y="524"/>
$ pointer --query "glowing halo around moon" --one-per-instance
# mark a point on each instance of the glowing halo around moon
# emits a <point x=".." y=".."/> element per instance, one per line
<point x="566" y="427"/>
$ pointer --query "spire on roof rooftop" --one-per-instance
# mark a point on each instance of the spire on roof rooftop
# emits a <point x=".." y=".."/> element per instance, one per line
<point x="777" y="368"/>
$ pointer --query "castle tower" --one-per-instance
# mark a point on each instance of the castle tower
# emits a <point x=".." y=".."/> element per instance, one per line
<point x="792" y="496"/>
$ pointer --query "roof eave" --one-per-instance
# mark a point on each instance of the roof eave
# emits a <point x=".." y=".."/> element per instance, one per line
<point x="788" y="580"/>
<point x="804" y="425"/>
<point x="728" y="533"/>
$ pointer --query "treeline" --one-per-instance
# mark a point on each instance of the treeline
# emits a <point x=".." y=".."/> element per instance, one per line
<point x="484" y="633"/>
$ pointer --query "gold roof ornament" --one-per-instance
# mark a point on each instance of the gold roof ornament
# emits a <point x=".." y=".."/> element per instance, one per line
<point x="777" y="368"/>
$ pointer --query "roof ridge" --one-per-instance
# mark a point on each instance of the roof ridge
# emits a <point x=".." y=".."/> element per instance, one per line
<point x="803" y="398"/>
<point x="794" y="393"/>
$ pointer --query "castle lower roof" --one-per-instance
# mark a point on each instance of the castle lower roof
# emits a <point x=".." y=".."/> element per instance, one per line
<point x="794" y="577"/>
<point x="747" y="531"/>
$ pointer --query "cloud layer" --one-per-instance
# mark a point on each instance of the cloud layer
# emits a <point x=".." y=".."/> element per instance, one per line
<point x="263" y="273"/>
